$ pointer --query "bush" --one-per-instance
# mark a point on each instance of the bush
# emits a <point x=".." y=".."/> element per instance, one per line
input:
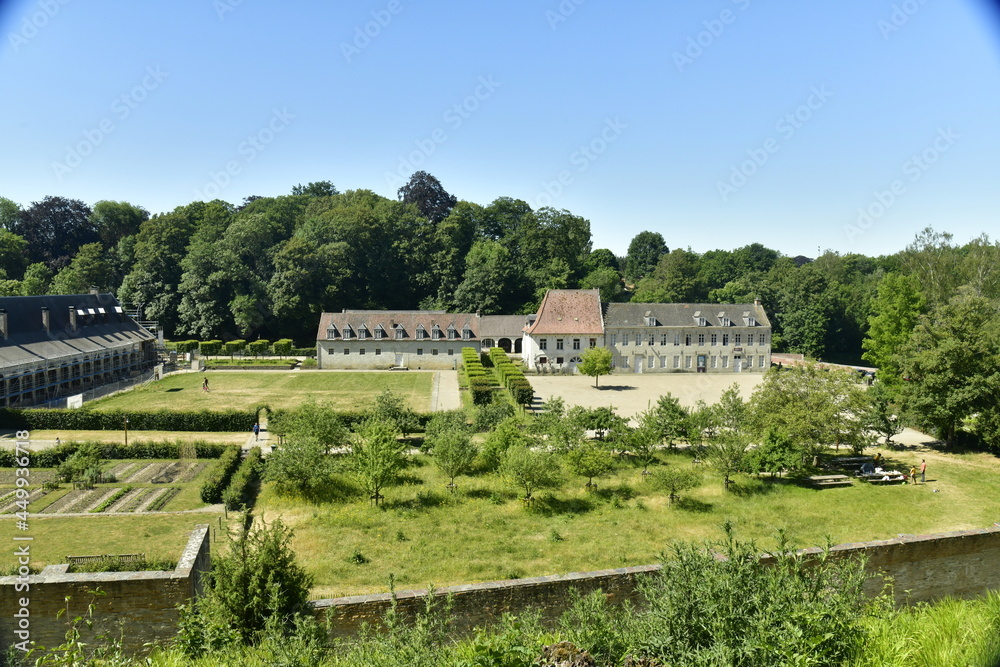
<point x="283" y="347"/>
<point x="303" y="351"/>
<point x="218" y="477"/>
<point x="185" y="346"/>
<point x="482" y="391"/>
<point x="241" y="486"/>
<point x="258" y="347"/>
<point x="86" y="419"/>
<point x="210" y="348"/>
<point x="51" y="458"/>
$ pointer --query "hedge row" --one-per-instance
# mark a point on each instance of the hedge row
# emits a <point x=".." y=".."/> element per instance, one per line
<point x="241" y="486"/>
<point x="85" y="419"/>
<point x="218" y="477"/>
<point x="51" y="458"/>
<point x="349" y="418"/>
<point x="511" y="377"/>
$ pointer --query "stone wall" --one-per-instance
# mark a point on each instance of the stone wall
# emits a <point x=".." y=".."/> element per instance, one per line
<point x="923" y="568"/>
<point x="139" y="607"/>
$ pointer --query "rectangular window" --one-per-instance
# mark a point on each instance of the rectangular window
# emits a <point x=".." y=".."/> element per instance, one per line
<point x="576" y="343"/>
<point x="378" y="351"/>
<point x="677" y="339"/>
<point x="347" y="350"/>
<point x="331" y="334"/>
<point x="737" y="338"/>
<point x="725" y="340"/>
<point x="749" y="361"/>
<point x="451" y="353"/>
<point x="652" y="339"/>
<point x="763" y="339"/>
<point x="677" y="361"/>
<point x="361" y="351"/>
<point x="624" y="340"/>
<point x="714" y="339"/>
<point x="687" y="339"/>
<point x="749" y="339"/>
<point x="466" y="334"/>
<point x="559" y="343"/>
<point x="725" y="362"/>
<point x="715" y="361"/>
<point x="613" y="361"/>
<point x="379" y="334"/>
<point x="624" y="362"/>
<point x="593" y="342"/>
<point x="420" y="351"/>
<point x="663" y="339"/>
<point x="701" y="339"/>
<point x="362" y="334"/>
<point x="638" y="339"/>
<point x="434" y="352"/>
<point x="663" y="362"/>
<point x="687" y="362"/>
<point x="650" y="361"/>
<point x="614" y="339"/>
<point x="760" y="362"/>
<point x="543" y="343"/>
<point x="399" y="334"/>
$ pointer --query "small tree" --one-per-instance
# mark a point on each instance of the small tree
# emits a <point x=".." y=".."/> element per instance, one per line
<point x="674" y="480"/>
<point x="880" y="417"/>
<point x="392" y="409"/>
<point x="300" y="467"/>
<point x="644" y="440"/>
<point x="530" y="469"/>
<point x="83" y="467"/>
<point x="376" y="457"/>
<point x="318" y="421"/>
<point x="590" y="460"/>
<point x="669" y="419"/>
<point x="454" y="453"/>
<point x="599" y="420"/>
<point x="256" y="585"/>
<point x="488" y="416"/>
<point x="508" y="433"/>
<point x="595" y="362"/>
<point x="776" y="452"/>
<point x="445" y="422"/>
<point x="728" y="456"/>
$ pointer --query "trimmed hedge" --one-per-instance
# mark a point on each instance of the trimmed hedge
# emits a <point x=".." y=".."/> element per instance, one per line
<point x="349" y="418"/>
<point x="303" y="351"/>
<point x="511" y="377"/>
<point x="51" y="458"/>
<point x="218" y="477"/>
<point x="86" y="419"/>
<point x="283" y="347"/>
<point x="210" y="348"/>
<point x="241" y="486"/>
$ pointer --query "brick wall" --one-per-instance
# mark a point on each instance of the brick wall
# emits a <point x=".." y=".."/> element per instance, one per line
<point x="139" y="607"/>
<point x="924" y="567"/>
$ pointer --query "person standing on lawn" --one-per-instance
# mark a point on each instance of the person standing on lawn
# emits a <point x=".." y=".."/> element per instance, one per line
<point x="923" y="471"/>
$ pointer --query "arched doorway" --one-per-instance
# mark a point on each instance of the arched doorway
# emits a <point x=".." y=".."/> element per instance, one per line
<point x="505" y="345"/>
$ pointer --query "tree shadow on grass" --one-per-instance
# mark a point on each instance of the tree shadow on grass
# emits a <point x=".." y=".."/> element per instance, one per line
<point x="405" y="479"/>
<point x="621" y="492"/>
<point x="551" y="506"/>
<point x="424" y="500"/>
<point x="692" y="505"/>
<point x="615" y="387"/>
<point x="751" y="487"/>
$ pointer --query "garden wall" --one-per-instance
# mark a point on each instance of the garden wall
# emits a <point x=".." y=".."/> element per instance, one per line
<point x="923" y="567"/>
<point x="139" y="607"/>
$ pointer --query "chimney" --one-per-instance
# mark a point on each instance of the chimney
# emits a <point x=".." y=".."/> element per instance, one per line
<point x="72" y="319"/>
<point x="94" y="290"/>
<point x="3" y="325"/>
<point x="45" y="318"/>
<point x="756" y="302"/>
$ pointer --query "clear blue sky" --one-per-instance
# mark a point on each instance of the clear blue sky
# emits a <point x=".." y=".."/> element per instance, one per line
<point x="717" y="123"/>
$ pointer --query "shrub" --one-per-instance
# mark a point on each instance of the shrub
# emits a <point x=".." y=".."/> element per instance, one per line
<point x="282" y="347"/>
<point x="86" y="419"/>
<point x="218" y="477"/>
<point x="241" y="486"/>
<point x="210" y="348"/>
<point x="303" y="351"/>
<point x="258" y="347"/>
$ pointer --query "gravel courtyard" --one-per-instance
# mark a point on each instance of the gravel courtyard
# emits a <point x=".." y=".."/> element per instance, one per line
<point x="632" y="393"/>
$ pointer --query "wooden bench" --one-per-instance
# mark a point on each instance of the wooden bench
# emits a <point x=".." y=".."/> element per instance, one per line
<point x="823" y="481"/>
<point x="880" y="479"/>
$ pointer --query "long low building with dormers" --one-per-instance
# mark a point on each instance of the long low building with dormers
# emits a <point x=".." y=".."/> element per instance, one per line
<point x="418" y="339"/>
<point x="52" y="347"/>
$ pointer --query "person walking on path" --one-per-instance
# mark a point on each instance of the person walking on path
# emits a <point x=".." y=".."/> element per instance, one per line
<point x="204" y="383"/>
<point x="923" y="471"/>
<point x="256" y="431"/>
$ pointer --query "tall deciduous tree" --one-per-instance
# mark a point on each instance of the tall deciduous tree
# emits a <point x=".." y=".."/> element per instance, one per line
<point x="644" y="252"/>
<point x="595" y="362"/>
<point x="114" y="220"/>
<point x="428" y="195"/>
<point x="13" y="259"/>
<point x="674" y="280"/>
<point x="316" y="189"/>
<point x="54" y="229"/>
<point x="897" y="308"/>
<point x="89" y="268"/>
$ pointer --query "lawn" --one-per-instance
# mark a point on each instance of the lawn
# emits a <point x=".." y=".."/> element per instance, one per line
<point x="243" y="390"/>
<point x="158" y="536"/>
<point x="424" y="536"/>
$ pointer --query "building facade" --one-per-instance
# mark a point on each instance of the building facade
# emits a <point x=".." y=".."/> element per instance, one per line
<point x="685" y="337"/>
<point x="418" y="339"/>
<point x="52" y="347"/>
<point x="567" y="323"/>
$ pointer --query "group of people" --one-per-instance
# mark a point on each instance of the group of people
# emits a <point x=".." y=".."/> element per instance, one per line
<point x="878" y="460"/>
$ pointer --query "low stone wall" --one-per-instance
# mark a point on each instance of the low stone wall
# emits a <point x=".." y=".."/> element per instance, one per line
<point x="138" y="607"/>
<point x="923" y="568"/>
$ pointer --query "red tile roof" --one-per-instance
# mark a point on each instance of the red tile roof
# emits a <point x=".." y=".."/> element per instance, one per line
<point x="569" y="311"/>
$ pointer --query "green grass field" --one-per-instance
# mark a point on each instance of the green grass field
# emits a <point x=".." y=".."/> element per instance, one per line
<point x="242" y="390"/>
<point x="424" y="536"/>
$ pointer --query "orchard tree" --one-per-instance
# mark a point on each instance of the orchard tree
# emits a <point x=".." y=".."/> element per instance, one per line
<point x="595" y="362"/>
<point x="590" y="460"/>
<point x="301" y="466"/>
<point x="727" y="456"/>
<point x="319" y="422"/>
<point x="669" y="419"/>
<point x="530" y="469"/>
<point x="376" y="457"/>
<point x="674" y="480"/>
<point x="454" y="453"/>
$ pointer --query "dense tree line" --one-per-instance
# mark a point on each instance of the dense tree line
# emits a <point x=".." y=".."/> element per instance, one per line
<point x="268" y="267"/>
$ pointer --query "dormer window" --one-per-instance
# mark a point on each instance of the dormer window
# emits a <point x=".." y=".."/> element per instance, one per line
<point x="421" y="332"/>
<point x="699" y="319"/>
<point x="363" y="332"/>
<point x="436" y="332"/>
<point x="400" y="332"/>
<point x="650" y="319"/>
<point x="331" y="333"/>
<point x="348" y="332"/>
<point x="466" y="333"/>
<point x="379" y="332"/>
<point x="452" y="332"/>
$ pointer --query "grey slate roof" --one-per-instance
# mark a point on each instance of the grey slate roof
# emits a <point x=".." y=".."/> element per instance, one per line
<point x="101" y="324"/>
<point x="683" y="314"/>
